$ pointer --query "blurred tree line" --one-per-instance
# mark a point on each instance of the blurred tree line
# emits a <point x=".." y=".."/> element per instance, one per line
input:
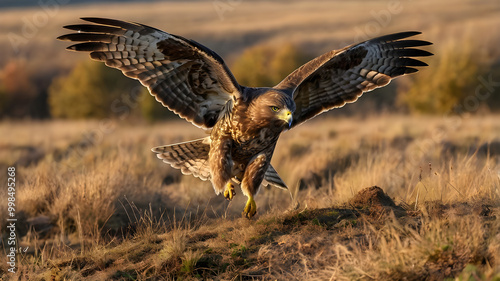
<point x="19" y="95"/>
<point x="91" y="90"/>
<point x="459" y="79"/>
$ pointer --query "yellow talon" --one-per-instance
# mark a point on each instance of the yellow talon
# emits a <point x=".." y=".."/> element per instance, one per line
<point x="229" y="192"/>
<point x="250" y="208"/>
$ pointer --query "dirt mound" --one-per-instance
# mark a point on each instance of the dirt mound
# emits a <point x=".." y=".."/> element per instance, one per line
<point x="375" y="201"/>
<point x="371" y="196"/>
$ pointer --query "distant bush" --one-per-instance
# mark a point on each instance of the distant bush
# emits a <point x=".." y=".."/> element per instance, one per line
<point x="91" y="90"/>
<point x="493" y="79"/>
<point x="18" y="92"/>
<point x="448" y="82"/>
<point x="265" y="65"/>
<point x="3" y="100"/>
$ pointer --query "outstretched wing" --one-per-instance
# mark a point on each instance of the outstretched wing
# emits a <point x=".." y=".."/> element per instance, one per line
<point x="185" y="76"/>
<point x="339" y="77"/>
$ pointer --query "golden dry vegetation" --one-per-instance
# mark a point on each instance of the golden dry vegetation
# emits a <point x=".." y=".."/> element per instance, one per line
<point x="95" y="203"/>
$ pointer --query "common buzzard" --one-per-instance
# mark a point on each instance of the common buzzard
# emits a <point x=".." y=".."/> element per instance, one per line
<point x="195" y="83"/>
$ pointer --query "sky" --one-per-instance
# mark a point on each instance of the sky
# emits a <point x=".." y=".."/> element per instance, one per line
<point x="32" y="3"/>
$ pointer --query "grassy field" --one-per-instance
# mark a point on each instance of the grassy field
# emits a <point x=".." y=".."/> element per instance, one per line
<point x="94" y="202"/>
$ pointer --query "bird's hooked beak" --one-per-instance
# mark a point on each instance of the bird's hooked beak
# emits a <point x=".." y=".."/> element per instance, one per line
<point x="286" y="115"/>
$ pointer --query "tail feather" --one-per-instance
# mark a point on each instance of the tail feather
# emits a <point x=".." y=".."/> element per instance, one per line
<point x="273" y="178"/>
<point x="190" y="157"/>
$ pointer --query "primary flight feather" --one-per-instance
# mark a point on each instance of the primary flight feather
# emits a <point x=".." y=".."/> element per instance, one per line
<point x="195" y="83"/>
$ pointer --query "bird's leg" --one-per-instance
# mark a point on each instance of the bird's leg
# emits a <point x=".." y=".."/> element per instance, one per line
<point x="220" y="162"/>
<point x="252" y="178"/>
<point x="229" y="192"/>
<point x="250" y="208"/>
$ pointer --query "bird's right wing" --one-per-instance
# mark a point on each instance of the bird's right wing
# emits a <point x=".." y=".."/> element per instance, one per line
<point x="339" y="77"/>
<point x="185" y="76"/>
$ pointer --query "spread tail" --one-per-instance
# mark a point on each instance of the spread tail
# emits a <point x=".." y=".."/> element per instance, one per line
<point x="273" y="178"/>
<point x="190" y="157"/>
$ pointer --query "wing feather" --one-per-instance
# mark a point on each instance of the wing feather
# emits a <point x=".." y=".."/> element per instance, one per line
<point x="339" y="77"/>
<point x="185" y="76"/>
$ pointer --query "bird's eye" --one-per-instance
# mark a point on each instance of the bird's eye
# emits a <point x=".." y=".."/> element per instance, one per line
<point x="275" y="108"/>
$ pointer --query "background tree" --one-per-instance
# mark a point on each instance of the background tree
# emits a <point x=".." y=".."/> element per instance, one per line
<point x="92" y="90"/>
<point x="266" y="65"/>
<point x="18" y="93"/>
<point x="451" y="77"/>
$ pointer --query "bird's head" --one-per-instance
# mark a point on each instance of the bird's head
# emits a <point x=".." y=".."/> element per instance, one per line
<point x="276" y="108"/>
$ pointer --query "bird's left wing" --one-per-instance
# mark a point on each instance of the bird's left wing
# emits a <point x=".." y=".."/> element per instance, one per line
<point x="339" y="77"/>
<point x="185" y="76"/>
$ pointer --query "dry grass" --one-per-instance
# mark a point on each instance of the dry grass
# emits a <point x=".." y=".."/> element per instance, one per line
<point x="95" y="203"/>
<point x="105" y="207"/>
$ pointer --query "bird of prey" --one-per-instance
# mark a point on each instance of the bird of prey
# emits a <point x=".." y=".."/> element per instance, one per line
<point x="244" y="122"/>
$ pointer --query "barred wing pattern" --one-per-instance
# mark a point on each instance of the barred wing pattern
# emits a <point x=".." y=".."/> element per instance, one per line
<point x="185" y="76"/>
<point x="339" y="77"/>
